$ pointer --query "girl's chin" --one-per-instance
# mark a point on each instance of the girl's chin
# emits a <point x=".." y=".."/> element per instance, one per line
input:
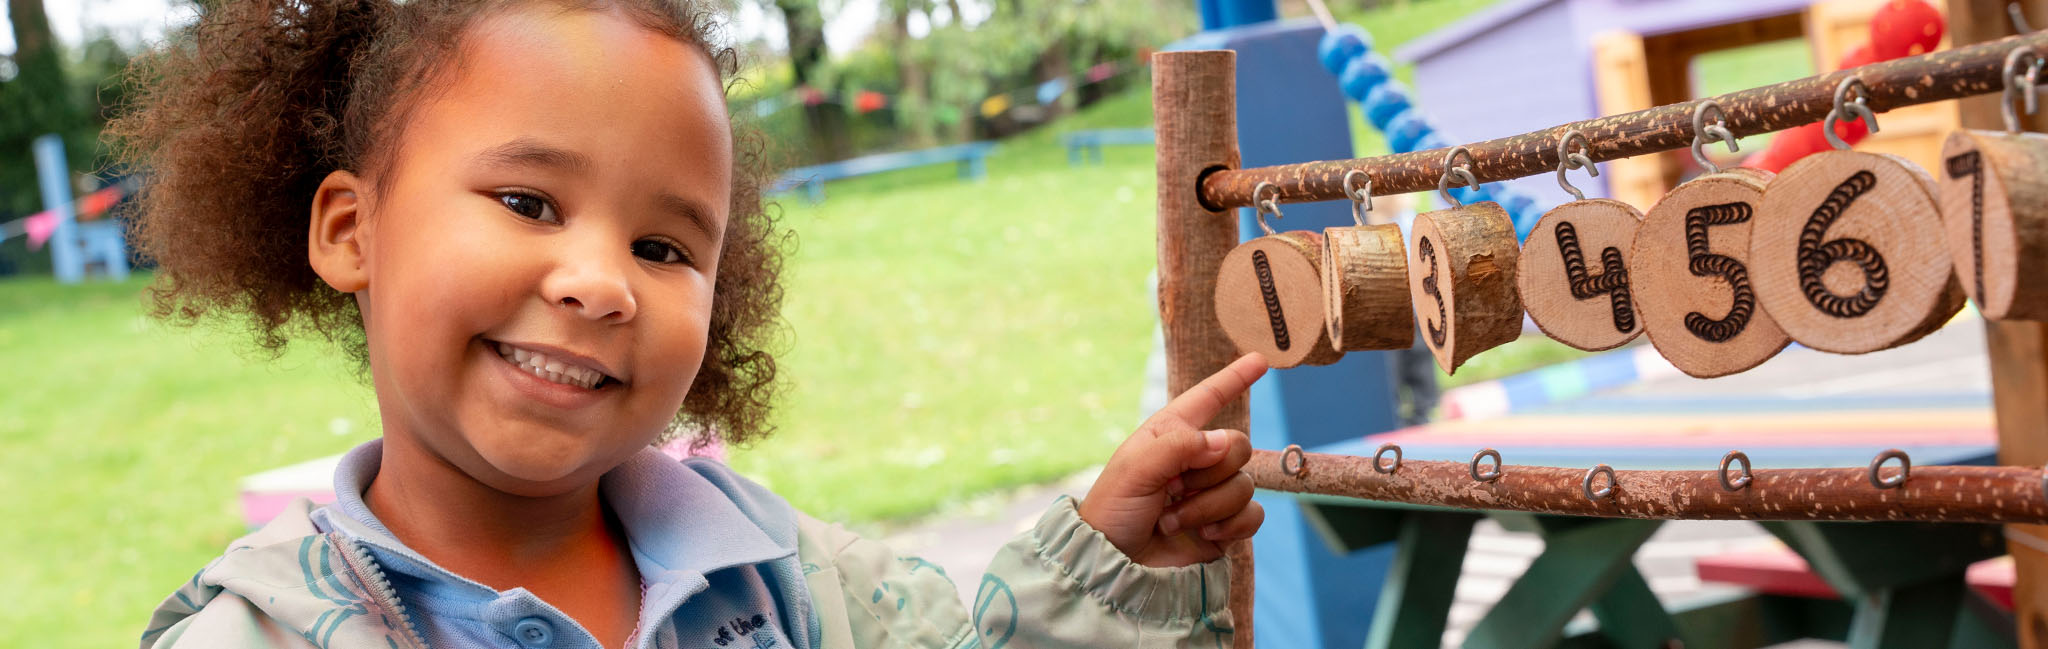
<point x="540" y="470"/>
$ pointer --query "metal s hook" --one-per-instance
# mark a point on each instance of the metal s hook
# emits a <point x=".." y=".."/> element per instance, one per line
<point x="1269" y="204"/>
<point x="1704" y="134"/>
<point x="1463" y="173"/>
<point x="1847" y="110"/>
<point x="2018" y="84"/>
<point x="1361" y="197"/>
<point x="1566" y="160"/>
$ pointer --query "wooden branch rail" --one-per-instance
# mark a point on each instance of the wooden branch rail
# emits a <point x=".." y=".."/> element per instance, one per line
<point x="1956" y="494"/>
<point x="1928" y="78"/>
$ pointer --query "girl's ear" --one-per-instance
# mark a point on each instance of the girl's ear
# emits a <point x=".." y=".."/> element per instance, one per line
<point x="334" y="241"/>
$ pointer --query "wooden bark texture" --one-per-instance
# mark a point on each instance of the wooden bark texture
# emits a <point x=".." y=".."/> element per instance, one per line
<point x="1365" y="288"/>
<point x="1994" y="204"/>
<point x="1689" y="276"/>
<point x="1573" y="276"/>
<point x="1194" y="104"/>
<point x="1462" y="281"/>
<point x="1269" y="297"/>
<point x="1922" y="79"/>
<point x="1848" y="254"/>
<point x="1973" y="494"/>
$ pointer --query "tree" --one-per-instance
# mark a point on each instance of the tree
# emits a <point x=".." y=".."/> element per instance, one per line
<point x="36" y="101"/>
<point x="804" y="24"/>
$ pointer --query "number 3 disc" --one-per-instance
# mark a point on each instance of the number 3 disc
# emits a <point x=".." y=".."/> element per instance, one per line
<point x="1849" y="254"/>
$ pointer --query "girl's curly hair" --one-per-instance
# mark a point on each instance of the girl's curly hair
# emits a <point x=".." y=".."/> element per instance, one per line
<point x="239" y="118"/>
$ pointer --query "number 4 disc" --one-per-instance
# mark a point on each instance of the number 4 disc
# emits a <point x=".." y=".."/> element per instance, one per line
<point x="1574" y="274"/>
<point x="1849" y="254"/>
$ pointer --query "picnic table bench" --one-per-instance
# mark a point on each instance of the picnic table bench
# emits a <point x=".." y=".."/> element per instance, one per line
<point x="1905" y="582"/>
<point x="1091" y="141"/>
<point x="812" y="179"/>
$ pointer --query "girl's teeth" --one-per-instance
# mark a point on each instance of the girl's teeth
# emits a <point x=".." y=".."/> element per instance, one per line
<point x="548" y="369"/>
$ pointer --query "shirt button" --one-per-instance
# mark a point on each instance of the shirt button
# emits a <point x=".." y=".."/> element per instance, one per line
<point x="534" y="633"/>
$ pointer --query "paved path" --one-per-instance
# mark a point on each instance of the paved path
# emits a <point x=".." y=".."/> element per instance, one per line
<point x="1952" y="361"/>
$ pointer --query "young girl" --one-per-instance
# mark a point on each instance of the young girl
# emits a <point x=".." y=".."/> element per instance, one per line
<point x="536" y="225"/>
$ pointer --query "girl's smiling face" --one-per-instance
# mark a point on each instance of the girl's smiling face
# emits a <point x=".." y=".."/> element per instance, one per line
<point x="556" y="199"/>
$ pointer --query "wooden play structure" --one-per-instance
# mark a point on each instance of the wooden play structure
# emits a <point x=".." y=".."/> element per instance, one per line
<point x="1846" y="251"/>
<point x="1569" y="60"/>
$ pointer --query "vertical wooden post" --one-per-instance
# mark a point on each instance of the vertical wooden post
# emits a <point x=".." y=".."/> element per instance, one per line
<point x="1194" y="110"/>
<point x="2019" y="349"/>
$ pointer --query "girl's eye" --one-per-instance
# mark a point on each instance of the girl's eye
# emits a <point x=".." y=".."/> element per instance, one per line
<point x="529" y="206"/>
<point x="659" y="252"/>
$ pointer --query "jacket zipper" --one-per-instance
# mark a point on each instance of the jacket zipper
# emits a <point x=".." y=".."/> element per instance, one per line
<point x="367" y="573"/>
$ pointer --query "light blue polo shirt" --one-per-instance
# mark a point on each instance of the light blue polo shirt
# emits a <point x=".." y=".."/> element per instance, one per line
<point x="716" y="554"/>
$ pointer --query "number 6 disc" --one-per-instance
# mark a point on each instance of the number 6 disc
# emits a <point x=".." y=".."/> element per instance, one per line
<point x="1849" y="253"/>
<point x="1691" y="281"/>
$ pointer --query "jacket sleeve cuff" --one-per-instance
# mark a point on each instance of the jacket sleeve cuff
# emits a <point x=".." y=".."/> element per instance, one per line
<point x="1078" y="553"/>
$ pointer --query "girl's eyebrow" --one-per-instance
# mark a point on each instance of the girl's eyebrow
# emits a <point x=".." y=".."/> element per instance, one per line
<point x="530" y="152"/>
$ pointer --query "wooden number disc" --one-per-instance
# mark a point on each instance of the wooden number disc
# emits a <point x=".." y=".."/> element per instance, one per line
<point x="1994" y="205"/>
<point x="1848" y="256"/>
<point x="1463" y="283"/>
<point x="1689" y="276"/>
<point x="1365" y="288"/>
<point x="1574" y="274"/>
<point x="1269" y="298"/>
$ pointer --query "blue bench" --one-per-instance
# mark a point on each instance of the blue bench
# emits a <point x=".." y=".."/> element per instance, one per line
<point x="812" y="179"/>
<point x="1091" y="141"/>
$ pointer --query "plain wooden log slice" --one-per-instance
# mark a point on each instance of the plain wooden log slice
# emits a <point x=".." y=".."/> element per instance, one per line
<point x="1463" y="281"/>
<point x="1573" y="276"/>
<point x="1848" y="255"/>
<point x="1994" y="206"/>
<point x="1689" y="276"/>
<point x="1365" y="288"/>
<point x="1269" y="298"/>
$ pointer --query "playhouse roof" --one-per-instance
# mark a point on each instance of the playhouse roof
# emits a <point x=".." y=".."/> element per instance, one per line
<point x="1589" y="17"/>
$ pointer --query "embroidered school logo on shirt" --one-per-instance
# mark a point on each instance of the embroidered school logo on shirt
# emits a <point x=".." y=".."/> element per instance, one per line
<point x="742" y="627"/>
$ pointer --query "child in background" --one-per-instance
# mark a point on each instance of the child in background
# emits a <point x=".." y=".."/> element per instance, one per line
<point x="535" y="224"/>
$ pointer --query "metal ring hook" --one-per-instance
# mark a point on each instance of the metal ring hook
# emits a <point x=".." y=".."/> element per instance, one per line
<point x="1739" y="483"/>
<point x="1566" y="160"/>
<point x="1604" y="492"/>
<point x="1270" y="204"/>
<point x="1848" y="111"/>
<point x="1462" y="172"/>
<point x="1384" y="468"/>
<point x="1491" y="474"/>
<point x="2018" y="84"/>
<point x="1894" y="482"/>
<point x="1361" y="198"/>
<point x="1299" y="467"/>
<point x="1704" y="134"/>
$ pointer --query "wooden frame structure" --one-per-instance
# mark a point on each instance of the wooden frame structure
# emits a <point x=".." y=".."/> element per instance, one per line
<point x="1200" y="182"/>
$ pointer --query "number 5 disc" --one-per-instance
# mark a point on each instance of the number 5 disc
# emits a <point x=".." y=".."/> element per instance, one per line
<point x="1689" y="272"/>
<point x="1849" y="253"/>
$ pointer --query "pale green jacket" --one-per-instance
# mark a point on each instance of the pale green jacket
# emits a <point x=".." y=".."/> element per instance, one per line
<point x="1058" y="584"/>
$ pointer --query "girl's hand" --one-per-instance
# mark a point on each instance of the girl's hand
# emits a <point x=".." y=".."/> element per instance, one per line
<point x="1172" y="494"/>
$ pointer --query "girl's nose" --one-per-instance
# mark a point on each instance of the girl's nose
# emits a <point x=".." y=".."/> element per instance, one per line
<point x="593" y="286"/>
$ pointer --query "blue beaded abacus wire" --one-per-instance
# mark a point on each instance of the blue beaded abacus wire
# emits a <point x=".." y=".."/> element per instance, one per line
<point x="1367" y="78"/>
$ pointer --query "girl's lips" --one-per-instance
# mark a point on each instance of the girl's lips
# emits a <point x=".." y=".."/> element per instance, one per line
<point x="537" y="389"/>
